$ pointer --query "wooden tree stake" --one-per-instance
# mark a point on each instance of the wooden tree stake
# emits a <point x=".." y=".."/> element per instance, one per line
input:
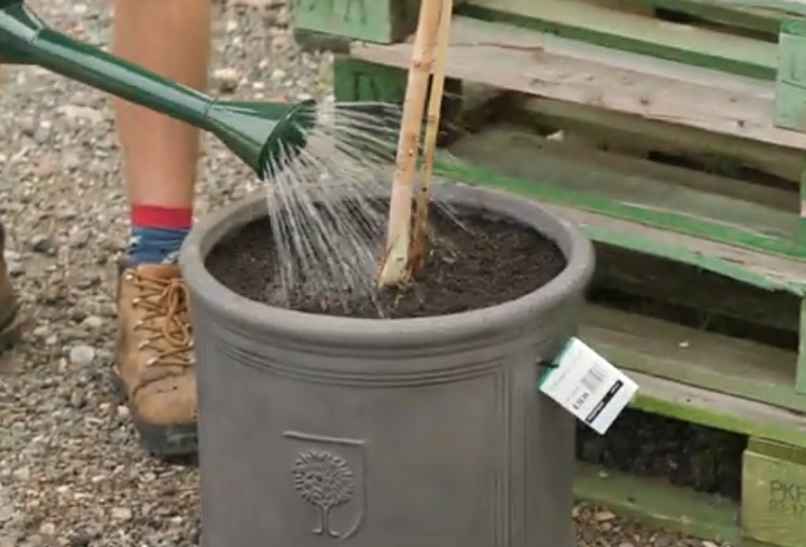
<point x="396" y="263"/>
<point x="420" y="242"/>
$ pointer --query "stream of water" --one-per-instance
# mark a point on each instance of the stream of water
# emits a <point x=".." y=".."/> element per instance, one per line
<point x="328" y="204"/>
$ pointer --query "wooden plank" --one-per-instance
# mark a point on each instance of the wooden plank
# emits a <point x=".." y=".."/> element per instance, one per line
<point x="356" y="80"/>
<point x="790" y="91"/>
<point x="520" y="134"/>
<point x="602" y="25"/>
<point x="758" y="20"/>
<point x="634" y="134"/>
<point x="657" y="503"/>
<point x="763" y="271"/>
<point x="775" y="449"/>
<point x="754" y="16"/>
<point x="785" y="7"/>
<point x="721" y="364"/>
<point x="802" y="227"/>
<point x="526" y="61"/>
<point x="636" y="190"/>
<point x="773" y="500"/>
<point x="801" y="375"/>
<point x="383" y="21"/>
<point x="717" y="410"/>
<point x="699" y="296"/>
<point x="767" y="272"/>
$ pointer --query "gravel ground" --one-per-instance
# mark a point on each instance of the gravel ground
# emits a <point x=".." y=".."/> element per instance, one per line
<point x="71" y="469"/>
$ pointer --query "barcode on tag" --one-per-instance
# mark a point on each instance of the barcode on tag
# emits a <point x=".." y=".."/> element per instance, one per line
<point x="588" y="386"/>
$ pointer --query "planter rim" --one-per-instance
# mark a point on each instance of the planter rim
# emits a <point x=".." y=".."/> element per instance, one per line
<point x="482" y="323"/>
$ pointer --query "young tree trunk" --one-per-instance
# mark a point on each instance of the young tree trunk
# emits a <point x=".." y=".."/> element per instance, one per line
<point x="420" y="241"/>
<point x="396" y="262"/>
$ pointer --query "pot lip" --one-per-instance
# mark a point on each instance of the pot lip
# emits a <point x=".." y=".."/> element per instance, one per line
<point x="349" y="331"/>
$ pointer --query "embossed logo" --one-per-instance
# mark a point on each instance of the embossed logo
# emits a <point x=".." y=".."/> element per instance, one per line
<point x="328" y="473"/>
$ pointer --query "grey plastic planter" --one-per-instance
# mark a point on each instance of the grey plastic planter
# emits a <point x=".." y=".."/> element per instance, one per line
<point x="317" y="430"/>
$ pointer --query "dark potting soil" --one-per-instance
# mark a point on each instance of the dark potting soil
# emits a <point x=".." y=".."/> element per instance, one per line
<point x="482" y="262"/>
<point x="685" y="454"/>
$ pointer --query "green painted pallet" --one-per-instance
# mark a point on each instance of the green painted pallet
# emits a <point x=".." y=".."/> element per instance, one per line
<point x="763" y="17"/>
<point x="656" y="502"/>
<point x="382" y="21"/>
<point x="613" y="28"/>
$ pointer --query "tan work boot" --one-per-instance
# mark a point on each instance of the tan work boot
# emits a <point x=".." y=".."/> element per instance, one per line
<point x="155" y="362"/>
<point x="9" y="306"/>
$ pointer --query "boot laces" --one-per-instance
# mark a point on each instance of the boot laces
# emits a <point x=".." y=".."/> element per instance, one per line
<point x="166" y="324"/>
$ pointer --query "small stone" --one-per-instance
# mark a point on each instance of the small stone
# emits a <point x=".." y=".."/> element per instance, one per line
<point x="625" y="544"/>
<point x="77" y="399"/>
<point x="15" y="269"/>
<point x="27" y="125"/>
<point x="43" y="133"/>
<point x="46" y="166"/>
<point x="227" y="79"/>
<point x="71" y="161"/>
<point x="47" y="529"/>
<point x="93" y="322"/>
<point x="41" y="243"/>
<point x="79" y="239"/>
<point x="22" y="474"/>
<point x="123" y="411"/>
<point x="73" y="112"/>
<point x="121" y="513"/>
<point x="82" y="355"/>
<point x="67" y="213"/>
<point x="709" y="544"/>
<point x="604" y="516"/>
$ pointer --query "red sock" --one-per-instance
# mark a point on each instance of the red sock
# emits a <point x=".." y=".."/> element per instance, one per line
<point x="164" y="218"/>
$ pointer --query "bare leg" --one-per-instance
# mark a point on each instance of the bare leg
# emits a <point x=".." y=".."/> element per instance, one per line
<point x="171" y="38"/>
<point x="155" y="349"/>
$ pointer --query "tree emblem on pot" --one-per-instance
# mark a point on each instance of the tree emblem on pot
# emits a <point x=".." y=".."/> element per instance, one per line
<point x="325" y="480"/>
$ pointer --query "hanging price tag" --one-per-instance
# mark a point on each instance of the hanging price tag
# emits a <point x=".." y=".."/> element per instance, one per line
<point x="588" y="386"/>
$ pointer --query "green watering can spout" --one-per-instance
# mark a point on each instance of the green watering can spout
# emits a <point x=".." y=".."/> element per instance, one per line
<point x="256" y="132"/>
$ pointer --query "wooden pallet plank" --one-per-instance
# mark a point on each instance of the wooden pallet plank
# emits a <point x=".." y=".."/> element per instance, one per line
<point x="613" y="130"/>
<point x="529" y="62"/>
<point x="783" y="7"/>
<point x="760" y="19"/>
<point x="383" y="21"/>
<point x="790" y="92"/>
<point x="722" y="364"/>
<point x="631" y="189"/>
<point x="699" y="297"/>
<point x="801" y="374"/>
<point x="600" y="24"/>
<point x="658" y="503"/>
<point x="355" y="80"/>
<point x="717" y="410"/>
<point x="763" y="271"/>
<point x="511" y="140"/>
<point x="773" y="499"/>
